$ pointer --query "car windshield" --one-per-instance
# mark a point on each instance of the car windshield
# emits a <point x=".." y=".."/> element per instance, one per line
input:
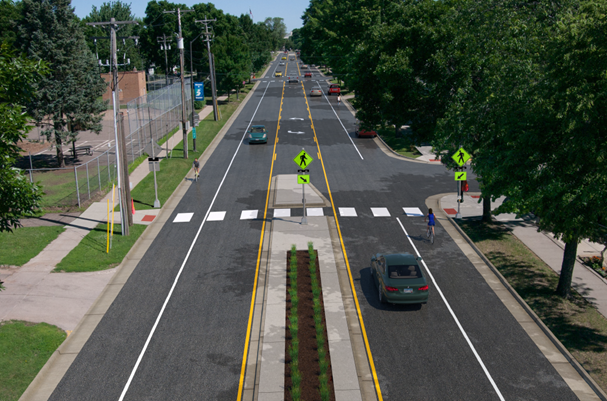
<point x="404" y="271"/>
<point x="258" y="130"/>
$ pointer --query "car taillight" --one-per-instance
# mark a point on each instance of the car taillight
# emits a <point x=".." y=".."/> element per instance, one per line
<point x="424" y="288"/>
<point x="391" y="289"/>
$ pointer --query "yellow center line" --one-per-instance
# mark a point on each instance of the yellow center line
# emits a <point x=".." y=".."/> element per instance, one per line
<point x="360" y="317"/>
<point x="263" y="226"/>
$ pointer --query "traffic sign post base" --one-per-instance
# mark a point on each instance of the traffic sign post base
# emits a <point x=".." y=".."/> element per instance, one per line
<point x="156" y="204"/>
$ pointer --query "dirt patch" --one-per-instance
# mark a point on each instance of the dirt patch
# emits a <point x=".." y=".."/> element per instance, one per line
<point x="308" y="351"/>
<point x="32" y="147"/>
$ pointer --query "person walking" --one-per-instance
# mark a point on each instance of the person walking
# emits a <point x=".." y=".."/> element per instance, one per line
<point x="196" y="167"/>
<point x="338" y="99"/>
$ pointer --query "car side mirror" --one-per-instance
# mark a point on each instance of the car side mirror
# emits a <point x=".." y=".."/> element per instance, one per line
<point x="373" y="259"/>
<point x="418" y="258"/>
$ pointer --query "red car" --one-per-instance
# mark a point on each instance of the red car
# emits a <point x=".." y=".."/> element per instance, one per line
<point x="308" y="75"/>
<point x="362" y="133"/>
<point x="334" y="89"/>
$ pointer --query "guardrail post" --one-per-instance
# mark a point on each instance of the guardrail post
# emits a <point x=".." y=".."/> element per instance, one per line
<point x="77" y="192"/>
<point x="88" y="185"/>
<point x="99" y="173"/>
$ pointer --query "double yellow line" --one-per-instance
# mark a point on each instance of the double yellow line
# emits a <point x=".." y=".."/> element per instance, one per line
<point x="343" y="248"/>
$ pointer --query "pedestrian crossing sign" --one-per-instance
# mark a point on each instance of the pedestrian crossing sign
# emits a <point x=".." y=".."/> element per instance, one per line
<point x="461" y="157"/>
<point x="303" y="159"/>
<point x="303" y="179"/>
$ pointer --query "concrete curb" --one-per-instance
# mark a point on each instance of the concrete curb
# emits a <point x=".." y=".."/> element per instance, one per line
<point x="55" y="368"/>
<point x="538" y="322"/>
<point x="398" y="155"/>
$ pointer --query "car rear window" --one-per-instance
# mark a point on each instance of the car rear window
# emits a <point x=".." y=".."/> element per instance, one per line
<point x="404" y="271"/>
<point x="258" y="129"/>
<point x="334" y="86"/>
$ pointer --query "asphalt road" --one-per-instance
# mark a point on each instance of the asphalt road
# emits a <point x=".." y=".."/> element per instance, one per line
<point x="195" y="352"/>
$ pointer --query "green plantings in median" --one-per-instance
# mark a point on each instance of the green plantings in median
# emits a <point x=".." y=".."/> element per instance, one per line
<point x="403" y="145"/>
<point x="596" y="264"/>
<point x="24" y="349"/>
<point x="292" y="345"/>
<point x="19" y="246"/>
<point x="325" y="389"/>
<point x="90" y="254"/>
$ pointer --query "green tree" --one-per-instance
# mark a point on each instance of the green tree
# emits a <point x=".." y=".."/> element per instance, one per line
<point x="127" y="49"/>
<point x="9" y="17"/>
<point x="278" y="29"/>
<point x="71" y="95"/>
<point x="18" y="197"/>
<point x="232" y="61"/>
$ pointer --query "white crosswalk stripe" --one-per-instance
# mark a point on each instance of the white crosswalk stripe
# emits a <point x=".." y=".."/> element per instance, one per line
<point x="380" y="212"/>
<point x="314" y="212"/>
<point x="282" y="212"/>
<point x="347" y="212"/>
<point x="413" y="212"/>
<point x="183" y="217"/>
<point x="216" y="216"/>
<point x="248" y="214"/>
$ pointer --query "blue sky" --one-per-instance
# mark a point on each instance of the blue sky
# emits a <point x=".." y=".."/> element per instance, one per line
<point x="291" y="11"/>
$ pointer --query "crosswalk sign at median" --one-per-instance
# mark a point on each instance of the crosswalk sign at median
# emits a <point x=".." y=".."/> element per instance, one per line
<point x="461" y="157"/>
<point x="303" y="159"/>
<point x="303" y="179"/>
<point x="459" y="176"/>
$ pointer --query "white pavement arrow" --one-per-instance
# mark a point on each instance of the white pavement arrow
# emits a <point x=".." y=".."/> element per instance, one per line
<point x="295" y="132"/>
<point x="296" y="118"/>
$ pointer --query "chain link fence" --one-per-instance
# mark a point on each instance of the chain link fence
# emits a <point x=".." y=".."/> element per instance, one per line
<point x="146" y="118"/>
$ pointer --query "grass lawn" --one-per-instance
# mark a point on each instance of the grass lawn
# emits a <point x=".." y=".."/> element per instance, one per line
<point x="18" y="247"/>
<point x="578" y="325"/>
<point x="24" y="349"/>
<point x="173" y="170"/>
<point x="90" y="254"/>
<point x="401" y="145"/>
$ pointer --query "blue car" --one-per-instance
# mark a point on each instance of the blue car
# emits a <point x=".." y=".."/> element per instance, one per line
<point x="258" y="134"/>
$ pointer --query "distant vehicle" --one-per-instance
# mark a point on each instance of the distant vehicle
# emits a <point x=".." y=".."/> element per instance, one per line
<point x="258" y="134"/>
<point x="308" y="75"/>
<point x="305" y="66"/>
<point x="293" y="80"/>
<point x="366" y="134"/>
<point x="399" y="279"/>
<point x="278" y="74"/>
<point x="281" y="63"/>
<point x="316" y="92"/>
<point x="284" y="57"/>
<point x="334" y="89"/>
<point x="292" y="59"/>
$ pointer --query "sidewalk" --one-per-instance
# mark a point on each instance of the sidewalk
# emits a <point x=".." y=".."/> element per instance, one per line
<point x="585" y="280"/>
<point x="34" y="294"/>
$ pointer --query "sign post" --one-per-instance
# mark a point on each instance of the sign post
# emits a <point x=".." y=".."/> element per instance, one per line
<point x="303" y="160"/>
<point x="460" y="157"/>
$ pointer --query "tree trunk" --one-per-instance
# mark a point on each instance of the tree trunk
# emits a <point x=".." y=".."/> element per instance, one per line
<point x="564" y="287"/>
<point x="74" y="148"/>
<point x="487" y="209"/>
<point x="60" y="159"/>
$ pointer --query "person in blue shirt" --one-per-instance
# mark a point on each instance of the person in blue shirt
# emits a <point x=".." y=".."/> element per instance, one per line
<point x="430" y="218"/>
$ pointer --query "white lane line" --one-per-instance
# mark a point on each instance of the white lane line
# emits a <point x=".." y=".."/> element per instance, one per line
<point x="248" y="214"/>
<point x="478" y="358"/>
<point x="380" y="212"/>
<point x="216" y="216"/>
<point x="282" y="212"/>
<point x="339" y="119"/>
<point x="413" y="211"/>
<point x="183" y="217"/>
<point x="347" y="212"/>
<point x="187" y="256"/>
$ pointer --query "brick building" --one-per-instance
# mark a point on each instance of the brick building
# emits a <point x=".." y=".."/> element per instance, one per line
<point x="131" y="85"/>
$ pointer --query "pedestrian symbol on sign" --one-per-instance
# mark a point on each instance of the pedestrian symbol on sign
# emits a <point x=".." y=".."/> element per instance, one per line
<point x="303" y="159"/>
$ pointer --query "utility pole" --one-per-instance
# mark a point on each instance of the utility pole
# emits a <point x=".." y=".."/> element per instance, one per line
<point x="182" y="69"/>
<point x="124" y="192"/>
<point x="208" y="38"/>
<point x="192" y="78"/>
<point x="163" y="39"/>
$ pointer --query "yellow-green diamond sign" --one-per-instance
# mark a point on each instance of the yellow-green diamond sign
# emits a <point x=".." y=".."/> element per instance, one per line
<point x="459" y="176"/>
<point x="303" y="159"/>
<point x="461" y="157"/>
<point x="303" y="179"/>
